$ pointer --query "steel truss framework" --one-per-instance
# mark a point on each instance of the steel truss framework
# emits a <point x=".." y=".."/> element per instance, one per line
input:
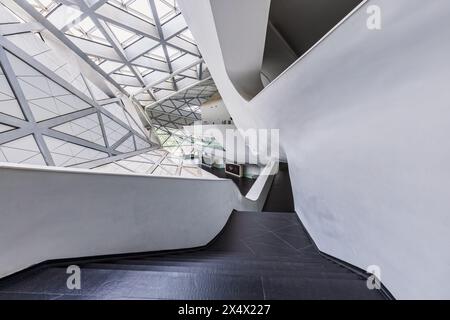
<point x="157" y="162"/>
<point x="142" y="47"/>
<point x="91" y="130"/>
<point x="183" y="108"/>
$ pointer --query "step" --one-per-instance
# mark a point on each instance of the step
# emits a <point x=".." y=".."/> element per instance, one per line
<point x="226" y="258"/>
<point x="230" y="260"/>
<point x="249" y="265"/>
<point x="294" y="273"/>
<point x="227" y="254"/>
<point x="126" y="284"/>
<point x="177" y="285"/>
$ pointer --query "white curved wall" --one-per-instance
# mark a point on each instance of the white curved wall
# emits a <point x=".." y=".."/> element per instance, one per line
<point x="243" y="37"/>
<point x="364" y="121"/>
<point x="54" y="214"/>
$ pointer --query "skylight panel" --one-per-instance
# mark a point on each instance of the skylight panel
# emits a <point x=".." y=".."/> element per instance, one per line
<point x="150" y="65"/>
<point x="138" y="8"/>
<point x="144" y="71"/>
<point x="76" y="32"/>
<point x="63" y="15"/>
<point x="172" y="52"/>
<point x="96" y="60"/>
<point x="8" y="16"/>
<point x="97" y="36"/>
<point x="86" y="25"/>
<point x="141" y="8"/>
<point x="110" y="66"/>
<point x="131" y="89"/>
<point x="166" y="9"/>
<point x="44" y="6"/>
<point x="121" y="34"/>
<point x="125" y="71"/>
<point x="187" y="36"/>
<point x="157" y="53"/>
<point x="86" y="29"/>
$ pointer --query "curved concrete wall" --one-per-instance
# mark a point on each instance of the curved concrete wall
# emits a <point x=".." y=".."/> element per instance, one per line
<point x="364" y="121"/>
<point x="242" y="41"/>
<point x="55" y="214"/>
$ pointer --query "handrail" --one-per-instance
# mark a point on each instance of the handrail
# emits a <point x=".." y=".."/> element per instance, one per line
<point x="255" y="196"/>
<point x="263" y="182"/>
<point x="59" y="213"/>
<point x="50" y="213"/>
<point x="6" y="165"/>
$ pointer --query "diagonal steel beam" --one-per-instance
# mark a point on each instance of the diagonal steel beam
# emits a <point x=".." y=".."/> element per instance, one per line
<point x="53" y="122"/>
<point x="170" y="76"/>
<point x="14" y="135"/>
<point x="193" y="85"/>
<point x="177" y="116"/>
<point x="13" y="121"/>
<point x="98" y="163"/>
<point x="72" y="139"/>
<point x="84" y="14"/>
<point x="163" y="41"/>
<point x="23" y="102"/>
<point x="114" y="42"/>
<point x="122" y="140"/>
<point x="63" y="38"/>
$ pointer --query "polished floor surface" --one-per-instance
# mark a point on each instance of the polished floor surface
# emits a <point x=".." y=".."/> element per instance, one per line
<point x="280" y="198"/>
<point x="258" y="256"/>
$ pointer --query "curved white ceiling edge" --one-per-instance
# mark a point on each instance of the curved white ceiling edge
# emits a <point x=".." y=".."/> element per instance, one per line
<point x="206" y="31"/>
<point x="242" y="40"/>
<point x="363" y="119"/>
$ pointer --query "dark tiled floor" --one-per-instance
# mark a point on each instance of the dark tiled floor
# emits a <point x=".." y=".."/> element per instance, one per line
<point x="280" y="198"/>
<point x="258" y="256"/>
<point x="244" y="184"/>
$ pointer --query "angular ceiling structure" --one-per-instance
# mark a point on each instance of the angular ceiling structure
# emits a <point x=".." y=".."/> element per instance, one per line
<point x="56" y="108"/>
<point x="142" y="47"/>
<point x="181" y="109"/>
<point x="170" y="116"/>
<point x="50" y="113"/>
<point x="44" y="120"/>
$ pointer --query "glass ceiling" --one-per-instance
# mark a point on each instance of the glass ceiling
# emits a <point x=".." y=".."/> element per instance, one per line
<point x="142" y="47"/>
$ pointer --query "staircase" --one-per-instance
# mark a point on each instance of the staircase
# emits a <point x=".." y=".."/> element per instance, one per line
<point x="257" y="256"/>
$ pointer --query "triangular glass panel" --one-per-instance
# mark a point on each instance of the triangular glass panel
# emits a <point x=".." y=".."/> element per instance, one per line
<point x="87" y="128"/>
<point x="67" y="154"/>
<point x="23" y="150"/>
<point x="46" y="98"/>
